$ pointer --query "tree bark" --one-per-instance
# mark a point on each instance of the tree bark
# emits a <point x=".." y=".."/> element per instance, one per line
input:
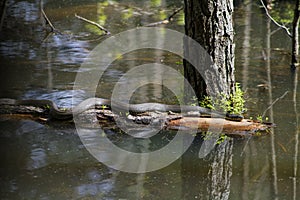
<point x="295" y="36"/>
<point x="210" y="24"/>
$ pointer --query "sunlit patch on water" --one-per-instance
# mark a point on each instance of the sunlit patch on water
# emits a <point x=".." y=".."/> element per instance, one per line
<point x="45" y="162"/>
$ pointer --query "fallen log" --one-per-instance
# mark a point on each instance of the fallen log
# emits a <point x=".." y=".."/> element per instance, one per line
<point x="165" y="120"/>
<point x="230" y="128"/>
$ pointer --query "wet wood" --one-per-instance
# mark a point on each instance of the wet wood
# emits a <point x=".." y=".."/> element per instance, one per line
<point x="47" y="20"/>
<point x="170" y="121"/>
<point x="93" y="23"/>
<point x="231" y="128"/>
<point x="167" y="20"/>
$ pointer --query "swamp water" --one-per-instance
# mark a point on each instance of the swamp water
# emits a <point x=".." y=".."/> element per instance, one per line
<point x="50" y="162"/>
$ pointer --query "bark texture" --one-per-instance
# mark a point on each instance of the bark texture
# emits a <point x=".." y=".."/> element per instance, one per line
<point x="210" y="24"/>
<point x="295" y="35"/>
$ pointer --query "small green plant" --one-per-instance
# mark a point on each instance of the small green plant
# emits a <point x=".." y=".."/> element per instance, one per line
<point x="178" y="62"/>
<point x="235" y="103"/>
<point x="259" y="118"/>
<point x="258" y="133"/>
<point x="104" y="107"/>
<point x="207" y="135"/>
<point x="210" y="135"/>
<point x="222" y="138"/>
<point x="207" y="103"/>
<point x="47" y="106"/>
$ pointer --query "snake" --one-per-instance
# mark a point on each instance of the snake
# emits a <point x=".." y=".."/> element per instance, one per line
<point x="89" y="103"/>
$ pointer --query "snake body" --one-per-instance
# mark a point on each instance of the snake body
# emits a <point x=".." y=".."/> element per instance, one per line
<point x="57" y="113"/>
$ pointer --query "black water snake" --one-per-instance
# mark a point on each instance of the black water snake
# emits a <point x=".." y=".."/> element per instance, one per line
<point x="89" y="103"/>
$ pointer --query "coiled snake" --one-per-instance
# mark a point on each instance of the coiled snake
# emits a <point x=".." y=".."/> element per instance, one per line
<point x="57" y="113"/>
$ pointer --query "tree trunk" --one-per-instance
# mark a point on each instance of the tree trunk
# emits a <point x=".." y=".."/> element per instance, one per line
<point x="210" y="24"/>
<point x="295" y="36"/>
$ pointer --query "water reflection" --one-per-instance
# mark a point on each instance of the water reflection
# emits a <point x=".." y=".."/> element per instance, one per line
<point x="96" y="190"/>
<point x="37" y="159"/>
<point x="66" y="98"/>
<point x="24" y="10"/>
<point x="66" y="51"/>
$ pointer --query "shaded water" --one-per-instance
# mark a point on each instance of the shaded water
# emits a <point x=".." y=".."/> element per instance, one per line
<point x="50" y="162"/>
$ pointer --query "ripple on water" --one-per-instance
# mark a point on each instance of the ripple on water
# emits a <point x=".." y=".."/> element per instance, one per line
<point x="65" y="98"/>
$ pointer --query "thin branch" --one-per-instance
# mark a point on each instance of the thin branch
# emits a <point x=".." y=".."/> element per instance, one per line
<point x="170" y="18"/>
<point x="274" y="21"/>
<point x="93" y="23"/>
<point x="53" y="29"/>
<point x="273" y="32"/>
<point x="167" y="20"/>
<point x="245" y="146"/>
<point x="270" y="106"/>
<point x="158" y="23"/>
<point x="47" y="36"/>
<point x="47" y="20"/>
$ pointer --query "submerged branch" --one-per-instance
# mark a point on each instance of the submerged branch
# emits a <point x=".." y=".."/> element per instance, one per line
<point x="53" y="29"/>
<point x="167" y="20"/>
<point x="270" y="106"/>
<point x="93" y="23"/>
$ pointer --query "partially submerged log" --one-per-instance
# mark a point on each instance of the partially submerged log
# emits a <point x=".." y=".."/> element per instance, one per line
<point x="230" y="128"/>
<point x="165" y="120"/>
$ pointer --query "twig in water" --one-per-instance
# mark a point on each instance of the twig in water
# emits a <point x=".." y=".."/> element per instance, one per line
<point x="270" y="106"/>
<point x="53" y="29"/>
<point x="244" y="148"/>
<point x="167" y="20"/>
<point x="93" y="23"/>
<point x="274" y="21"/>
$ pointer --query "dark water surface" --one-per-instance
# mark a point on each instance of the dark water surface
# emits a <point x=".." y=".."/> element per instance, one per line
<point x="50" y="161"/>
